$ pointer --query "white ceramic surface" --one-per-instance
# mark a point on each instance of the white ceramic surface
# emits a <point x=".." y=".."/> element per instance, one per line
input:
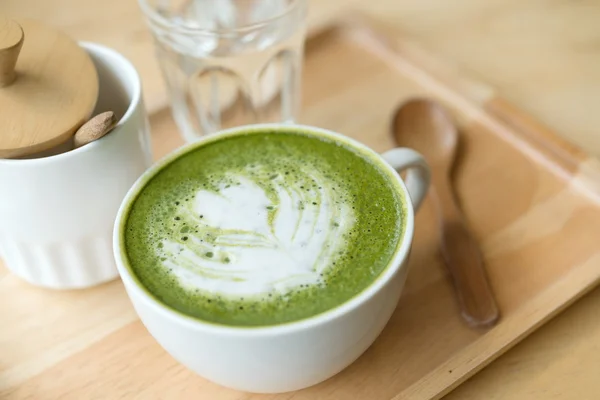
<point x="294" y="355"/>
<point x="57" y="212"/>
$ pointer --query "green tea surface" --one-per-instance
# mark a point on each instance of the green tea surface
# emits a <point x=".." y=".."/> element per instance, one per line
<point x="264" y="228"/>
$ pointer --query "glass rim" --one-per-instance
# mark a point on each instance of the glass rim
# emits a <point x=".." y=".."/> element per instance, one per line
<point x="155" y="18"/>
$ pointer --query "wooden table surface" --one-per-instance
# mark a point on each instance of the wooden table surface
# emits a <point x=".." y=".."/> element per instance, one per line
<point x="542" y="55"/>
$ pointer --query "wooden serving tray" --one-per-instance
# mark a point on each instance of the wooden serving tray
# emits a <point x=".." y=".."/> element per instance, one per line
<point x="532" y="200"/>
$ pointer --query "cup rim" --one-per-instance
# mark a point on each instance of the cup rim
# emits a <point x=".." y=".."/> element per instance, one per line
<point x="136" y="288"/>
<point x="126" y="65"/>
<point x="156" y="18"/>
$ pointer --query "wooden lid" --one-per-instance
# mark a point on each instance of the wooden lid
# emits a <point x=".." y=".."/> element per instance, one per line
<point x="48" y="87"/>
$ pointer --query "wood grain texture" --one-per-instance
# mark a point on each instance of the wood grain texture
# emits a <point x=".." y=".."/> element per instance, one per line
<point x="537" y="224"/>
<point x="53" y="92"/>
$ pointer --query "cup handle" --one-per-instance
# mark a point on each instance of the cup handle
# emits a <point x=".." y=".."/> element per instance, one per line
<point x="418" y="175"/>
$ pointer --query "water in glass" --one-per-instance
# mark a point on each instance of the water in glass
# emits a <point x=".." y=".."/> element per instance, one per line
<point x="228" y="63"/>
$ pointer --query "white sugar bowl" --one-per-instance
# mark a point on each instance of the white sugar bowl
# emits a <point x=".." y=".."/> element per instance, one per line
<point x="58" y="206"/>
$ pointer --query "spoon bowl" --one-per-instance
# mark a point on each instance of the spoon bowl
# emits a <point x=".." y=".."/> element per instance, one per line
<point x="424" y="125"/>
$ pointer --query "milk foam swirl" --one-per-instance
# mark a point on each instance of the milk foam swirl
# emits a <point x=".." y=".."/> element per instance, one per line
<point x="253" y="235"/>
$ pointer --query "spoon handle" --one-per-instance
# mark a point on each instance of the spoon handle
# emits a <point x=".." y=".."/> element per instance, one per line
<point x="464" y="261"/>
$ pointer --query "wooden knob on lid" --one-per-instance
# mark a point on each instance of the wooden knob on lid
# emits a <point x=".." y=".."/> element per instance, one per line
<point x="11" y="41"/>
<point x="48" y="88"/>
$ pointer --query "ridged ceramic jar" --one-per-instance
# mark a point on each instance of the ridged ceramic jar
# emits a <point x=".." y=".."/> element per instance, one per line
<point x="57" y="212"/>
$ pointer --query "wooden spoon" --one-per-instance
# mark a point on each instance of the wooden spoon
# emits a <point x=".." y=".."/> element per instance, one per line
<point x="95" y="128"/>
<point x="424" y="126"/>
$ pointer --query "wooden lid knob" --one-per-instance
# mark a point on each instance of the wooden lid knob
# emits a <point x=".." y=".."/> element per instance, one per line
<point x="11" y="41"/>
<point x="48" y="88"/>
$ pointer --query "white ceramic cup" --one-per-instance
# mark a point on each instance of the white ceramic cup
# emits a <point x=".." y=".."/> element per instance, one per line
<point x="57" y="212"/>
<point x="295" y="355"/>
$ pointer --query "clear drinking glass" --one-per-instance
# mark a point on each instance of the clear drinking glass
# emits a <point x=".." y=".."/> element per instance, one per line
<point x="229" y="62"/>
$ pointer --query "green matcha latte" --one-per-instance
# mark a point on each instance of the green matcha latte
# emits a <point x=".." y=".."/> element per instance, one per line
<point x="261" y="228"/>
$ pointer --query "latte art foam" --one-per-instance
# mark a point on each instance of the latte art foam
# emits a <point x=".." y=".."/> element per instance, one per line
<point x="247" y="243"/>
